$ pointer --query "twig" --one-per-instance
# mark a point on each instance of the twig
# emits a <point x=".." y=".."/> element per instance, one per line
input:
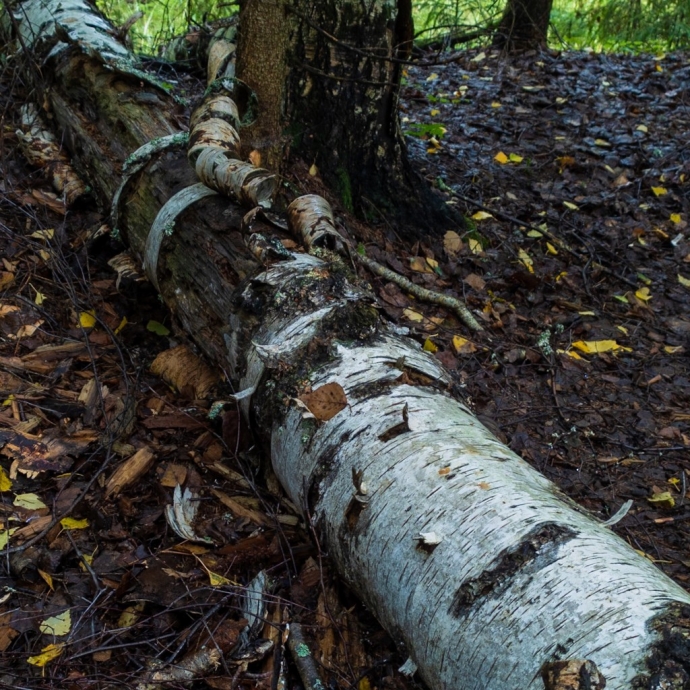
<point x="304" y="659"/>
<point x="422" y="293"/>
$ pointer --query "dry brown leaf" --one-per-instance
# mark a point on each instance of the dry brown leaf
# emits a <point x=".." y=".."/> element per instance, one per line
<point x="420" y="265"/>
<point x="174" y="474"/>
<point x="129" y="472"/>
<point x="6" y="279"/>
<point x="181" y="368"/>
<point x="326" y="401"/>
<point x="475" y="281"/>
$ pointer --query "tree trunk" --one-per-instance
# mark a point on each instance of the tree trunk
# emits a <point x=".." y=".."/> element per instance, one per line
<point x="469" y="557"/>
<point x="327" y="85"/>
<point x="524" y="25"/>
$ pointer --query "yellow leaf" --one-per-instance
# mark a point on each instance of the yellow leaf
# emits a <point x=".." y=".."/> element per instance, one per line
<point x="52" y="651"/>
<point x="663" y="499"/>
<point x="479" y="57"/>
<point x="560" y="276"/>
<point x="44" y="254"/>
<point x="551" y="249"/>
<point x="658" y="67"/>
<point x="130" y="615"/>
<point x="496" y="104"/>
<point x="675" y="218"/>
<point x="685" y="282"/>
<point x="535" y="233"/>
<point x="40" y="298"/>
<point x="57" y="625"/>
<point x="313" y="170"/>
<point x="659" y="191"/>
<point x="463" y="346"/>
<point x="5" y="536"/>
<point x="592" y="347"/>
<point x="432" y="77"/>
<point x="587" y="313"/>
<point x="526" y="260"/>
<point x="72" y="523"/>
<point x="413" y="315"/>
<point x="5" y="481"/>
<point x="514" y="158"/>
<point x="47" y="577"/>
<point x="46" y="234"/>
<point x="622" y="329"/>
<point x="8" y="402"/>
<point x="432" y="263"/>
<point x="673" y="349"/>
<point x="601" y="142"/>
<point x="501" y="158"/>
<point x="87" y="319"/>
<point x="123" y="323"/>
<point x="641" y="128"/>
<point x="560" y="100"/>
<point x="434" y="112"/>
<point x="643" y="294"/>
<point x="430" y="346"/>
<point x="29" y="501"/>
<point x="475" y="246"/>
<point x="570" y="205"/>
<point x="218" y="580"/>
<point x="86" y="559"/>
<point x="481" y="215"/>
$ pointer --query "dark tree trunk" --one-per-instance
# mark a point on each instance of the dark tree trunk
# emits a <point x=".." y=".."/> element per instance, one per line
<point x="524" y="25"/>
<point x="328" y="84"/>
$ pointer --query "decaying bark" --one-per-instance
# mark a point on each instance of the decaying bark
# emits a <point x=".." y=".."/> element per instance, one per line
<point x="466" y="554"/>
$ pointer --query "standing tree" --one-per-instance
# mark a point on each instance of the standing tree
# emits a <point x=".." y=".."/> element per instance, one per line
<point x="327" y="84"/>
<point x="524" y="25"/>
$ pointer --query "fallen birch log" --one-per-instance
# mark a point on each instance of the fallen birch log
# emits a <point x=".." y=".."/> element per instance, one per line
<point x="467" y="555"/>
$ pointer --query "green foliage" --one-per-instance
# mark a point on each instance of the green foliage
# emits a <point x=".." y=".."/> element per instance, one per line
<point x="425" y="130"/>
<point x="162" y="20"/>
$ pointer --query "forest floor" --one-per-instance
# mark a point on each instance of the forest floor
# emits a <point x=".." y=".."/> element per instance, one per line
<point x="573" y="171"/>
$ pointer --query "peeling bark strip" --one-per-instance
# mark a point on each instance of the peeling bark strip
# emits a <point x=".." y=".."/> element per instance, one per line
<point x="415" y="500"/>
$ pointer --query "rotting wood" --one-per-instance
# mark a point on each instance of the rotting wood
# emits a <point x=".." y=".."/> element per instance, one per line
<point x="467" y="555"/>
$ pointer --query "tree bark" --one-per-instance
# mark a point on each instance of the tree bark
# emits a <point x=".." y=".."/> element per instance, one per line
<point x="524" y="25"/>
<point x="469" y="557"/>
<point x="327" y="84"/>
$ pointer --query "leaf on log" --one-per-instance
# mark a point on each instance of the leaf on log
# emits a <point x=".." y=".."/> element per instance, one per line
<point x="326" y="401"/>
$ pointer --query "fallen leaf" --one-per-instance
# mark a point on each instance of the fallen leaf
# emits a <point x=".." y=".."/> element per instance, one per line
<point x="413" y="315"/>
<point x="475" y="281"/>
<point x="72" y="523"/>
<point x="5" y="481"/>
<point x="673" y="349"/>
<point x="663" y="499"/>
<point x="571" y="206"/>
<point x="420" y="265"/>
<point x="218" y="580"/>
<point x="452" y="242"/>
<point x="475" y="246"/>
<point x="496" y="104"/>
<point x="501" y="158"/>
<point x="326" y="401"/>
<point x="46" y="234"/>
<point x="515" y="158"/>
<point x="526" y="259"/>
<point x="52" y="651"/>
<point x="641" y="128"/>
<point x="47" y="577"/>
<point x="481" y="215"/>
<point x="57" y="625"/>
<point x="551" y="249"/>
<point x="157" y="328"/>
<point x="463" y="346"/>
<point x="643" y="294"/>
<point x="130" y="615"/>
<point x="6" y="279"/>
<point x="255" y="158"/>
<point x="675" y="218"/>
<point x="429" y="346"/>
<point x="432" y="77"/>
<point x="685" y="282"/>
<point x="29" y="501"/>
<point x="40" y="298"/>
<point x="659" y="191"/>
<point x="590" y="347"/>
<point x="87" y="319"/>
<point x="601" y="142"/>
